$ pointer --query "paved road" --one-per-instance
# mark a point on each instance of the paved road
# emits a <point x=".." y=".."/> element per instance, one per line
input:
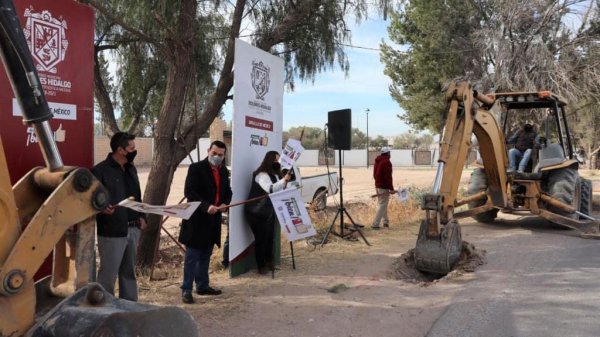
<point x="539" y="281"/>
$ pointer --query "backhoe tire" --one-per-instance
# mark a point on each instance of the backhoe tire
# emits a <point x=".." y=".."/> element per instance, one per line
<point x="562" y="185"/>
<point x="586" y="197"/>
<point x="478" y="183"/>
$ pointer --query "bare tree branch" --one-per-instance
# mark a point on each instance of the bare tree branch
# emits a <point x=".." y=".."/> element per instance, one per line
<point x="224" y="85"/>
<point x="114" y="17"/>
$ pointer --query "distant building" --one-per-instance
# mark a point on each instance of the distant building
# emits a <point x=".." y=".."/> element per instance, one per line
<point x="220" y="130"/>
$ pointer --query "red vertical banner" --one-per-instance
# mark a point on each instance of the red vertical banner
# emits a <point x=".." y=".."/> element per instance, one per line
<point x="60" y="36"/>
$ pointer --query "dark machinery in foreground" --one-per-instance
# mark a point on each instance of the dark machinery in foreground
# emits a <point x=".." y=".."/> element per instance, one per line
<point x="550" y="188"/>
<point x="50" y="201"/>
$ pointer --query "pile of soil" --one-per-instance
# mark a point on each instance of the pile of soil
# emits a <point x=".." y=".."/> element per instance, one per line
<point x="470" y="258"/>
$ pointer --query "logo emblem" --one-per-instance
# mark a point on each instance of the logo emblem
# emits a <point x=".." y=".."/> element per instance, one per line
<point x="260" y="79"/>
<point x="46" y="39"/>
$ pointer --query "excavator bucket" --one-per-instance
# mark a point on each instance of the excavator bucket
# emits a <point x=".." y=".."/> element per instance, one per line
<point x="92" y="311"/>
<point x="438" y="253"/>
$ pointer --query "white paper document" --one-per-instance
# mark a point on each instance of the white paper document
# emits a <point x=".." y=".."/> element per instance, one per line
<point x="292" y="214"/>
<point x="403" y="194"/>
<point x="290" y="153"/>
<point x="183" y="211"/>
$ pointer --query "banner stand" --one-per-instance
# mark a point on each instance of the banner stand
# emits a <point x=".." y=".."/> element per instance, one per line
<point x="273" y="257"/>
<point x="256" y="129"/>
<point x="340" y="213"/>
<point x="293" y="260"/>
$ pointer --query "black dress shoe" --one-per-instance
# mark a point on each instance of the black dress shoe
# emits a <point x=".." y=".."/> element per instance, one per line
<point x="209" y="291"/>
<point x="187" y="297"/>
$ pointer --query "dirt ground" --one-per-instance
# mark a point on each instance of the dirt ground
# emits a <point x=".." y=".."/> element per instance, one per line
<point x="345" y="288"/>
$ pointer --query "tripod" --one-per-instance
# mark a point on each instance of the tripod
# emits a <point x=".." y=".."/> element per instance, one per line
<point x="340" y="212"/>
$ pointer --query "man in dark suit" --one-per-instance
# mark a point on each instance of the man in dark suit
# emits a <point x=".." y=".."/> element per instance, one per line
<point x="207" y="181"/>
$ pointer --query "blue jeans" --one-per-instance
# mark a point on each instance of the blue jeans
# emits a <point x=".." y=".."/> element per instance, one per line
<point x="515" y="155"/>
<point x="195" y="268"/>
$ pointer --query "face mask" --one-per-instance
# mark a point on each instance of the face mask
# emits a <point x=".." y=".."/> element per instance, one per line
<point x="131" y="156"/>
<point x="215" y="160"/>
<point x="276" y="166"/>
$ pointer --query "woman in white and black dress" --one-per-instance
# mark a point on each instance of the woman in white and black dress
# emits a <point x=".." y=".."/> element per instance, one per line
<point x="266" y="179"/>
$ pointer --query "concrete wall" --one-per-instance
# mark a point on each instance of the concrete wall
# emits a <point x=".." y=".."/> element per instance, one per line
<point x="353" y="158"/>
<point x="309" y="158"/>
<point x="402" y="158"/>
<point x="358" y="158"/>
<point x="144" y="146"/>
<point x="350" y="158"/>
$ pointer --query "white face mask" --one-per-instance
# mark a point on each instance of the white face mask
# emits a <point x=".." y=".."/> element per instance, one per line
<point x="215" y="160"/>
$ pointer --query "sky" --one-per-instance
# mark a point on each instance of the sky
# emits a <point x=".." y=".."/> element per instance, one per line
<point x="365" y="87"/>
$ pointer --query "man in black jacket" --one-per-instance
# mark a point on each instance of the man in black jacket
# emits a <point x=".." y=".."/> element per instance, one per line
<point x="118" y="227"/>
<point x="207" y="181"/>
<point x="525" y="140"/>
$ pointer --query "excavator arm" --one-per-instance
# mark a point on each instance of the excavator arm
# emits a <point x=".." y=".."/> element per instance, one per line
<point x="58" y="204"/>
<point x="439" y="240"/>
<point x="48" y="200"/>
<point x="555" y="192"/>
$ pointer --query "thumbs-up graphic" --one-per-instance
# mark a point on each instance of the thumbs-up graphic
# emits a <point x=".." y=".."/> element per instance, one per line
<point x="264" y="141"/>
<point x="60" y="134"/>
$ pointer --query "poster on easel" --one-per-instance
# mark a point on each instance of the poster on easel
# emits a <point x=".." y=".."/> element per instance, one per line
<point x="402" y="194"/>
<point x="292" y="214"/>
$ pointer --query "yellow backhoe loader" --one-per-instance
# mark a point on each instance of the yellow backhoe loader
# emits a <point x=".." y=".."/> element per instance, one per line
<point x="550" y="187"/>
<point x="50" y="201"/>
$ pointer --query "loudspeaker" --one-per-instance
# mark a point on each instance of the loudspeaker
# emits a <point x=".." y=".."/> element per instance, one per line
<point x="339" y="126"/>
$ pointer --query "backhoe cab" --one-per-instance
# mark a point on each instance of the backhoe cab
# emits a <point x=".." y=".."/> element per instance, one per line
<point x="549" y="187"/>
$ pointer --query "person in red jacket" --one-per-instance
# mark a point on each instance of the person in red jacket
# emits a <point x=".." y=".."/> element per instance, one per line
<point x="382" y="172"/>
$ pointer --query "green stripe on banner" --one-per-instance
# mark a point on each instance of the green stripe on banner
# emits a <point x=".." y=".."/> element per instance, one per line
<point x="246" y="261"/>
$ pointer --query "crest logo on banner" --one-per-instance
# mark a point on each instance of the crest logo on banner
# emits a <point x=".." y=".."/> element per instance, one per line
<point x="46" y="39"/>
<point x="260" y="79"/>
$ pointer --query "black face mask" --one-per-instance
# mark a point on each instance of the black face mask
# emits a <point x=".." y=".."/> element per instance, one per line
<point x="130" y="156"/>
<point x="276" y="166"/>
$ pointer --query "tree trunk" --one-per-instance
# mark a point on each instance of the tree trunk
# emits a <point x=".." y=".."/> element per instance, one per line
<point x="216" y="101"/>
<point x="103" y="98"/>
<point x="156" y="193"/>
<point x="593" y="158"/>
<point x="167" y="154"/>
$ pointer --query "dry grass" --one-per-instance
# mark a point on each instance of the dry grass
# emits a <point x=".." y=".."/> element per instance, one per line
<point x="168" y="271"/>
<point x="313" y="261"/>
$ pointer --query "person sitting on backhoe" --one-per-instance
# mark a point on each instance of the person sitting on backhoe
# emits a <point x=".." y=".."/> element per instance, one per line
<point x="525" y="139"/>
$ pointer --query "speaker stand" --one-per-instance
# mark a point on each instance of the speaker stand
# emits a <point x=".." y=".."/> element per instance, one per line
<point x="340" y="213"/>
